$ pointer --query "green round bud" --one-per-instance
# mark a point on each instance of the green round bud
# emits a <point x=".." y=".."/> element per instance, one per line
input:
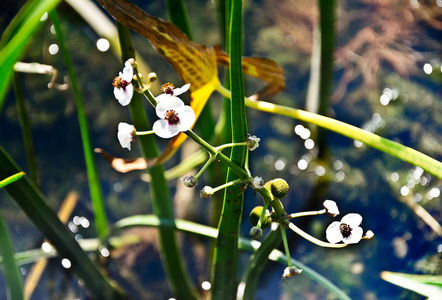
<point x="279" y="188"/>
<point x="255" y="214"/>
<point x="189" y="181"/>
<point x="255" y="233"/>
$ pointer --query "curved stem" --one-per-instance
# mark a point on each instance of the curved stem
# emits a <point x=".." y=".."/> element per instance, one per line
<point x="310" y="238"/>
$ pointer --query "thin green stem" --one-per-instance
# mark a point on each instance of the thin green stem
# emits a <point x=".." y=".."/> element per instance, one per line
<point x="225" y="185"/>
<point x="309" y="238"/>
<point x="305" y="213"/>
<point x="222" y="147"/>
<point x="263" y="214"/>
<point x="144" y="132"/>
<point x="286" y="245"/>
<point x="206" y="165"/>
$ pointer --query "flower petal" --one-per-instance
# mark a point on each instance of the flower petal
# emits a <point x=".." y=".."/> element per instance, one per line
<point x="181" y="90"/>
<point x="354" y="237"/>
<point x="173" y="103"/>
<point x="162" y="97"/>
<point x="125" y="134"/>
<point x="353" y="220"/>
<point x="187" y="118"/>
<point x="128" y="72"/>
<point x="163" y="129"/>
<point x="333" y="233"/>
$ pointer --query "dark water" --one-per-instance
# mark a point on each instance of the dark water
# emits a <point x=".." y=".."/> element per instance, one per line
<point x="360" y="179"/>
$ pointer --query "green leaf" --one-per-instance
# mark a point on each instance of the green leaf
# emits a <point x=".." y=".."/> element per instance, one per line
<point x="31" y="202"/>
<point x="92" y="174"/>
<point x="426" y="285"/>
<point x="19" y="32"/>
<point x="11" y="179"/>
<point x="12" y="276"/>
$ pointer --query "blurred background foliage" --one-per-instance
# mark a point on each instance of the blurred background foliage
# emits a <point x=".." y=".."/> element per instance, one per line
<point x="388" y="80"/>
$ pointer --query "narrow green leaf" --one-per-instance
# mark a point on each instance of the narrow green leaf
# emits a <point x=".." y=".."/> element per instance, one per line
<point x="178" y="16"/>
<point x="20" y="30"/>
<point x="224" y="275"/>
<point x="426" y="285"/>
<point x="11" y="273"/>
<point x="11" y="179"/>
<point x="26" y="129"/>
<point x="31" y="202"/>
<point x="94" y="181"/>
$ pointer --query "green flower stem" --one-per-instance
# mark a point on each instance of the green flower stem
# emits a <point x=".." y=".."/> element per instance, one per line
<point x="277" y="207"/>
<point x="263" y="213"/>
<point x="225" y="185"/>
<point x="222" y="147"/>
<point x="206" y="165"/>
<point x="286" y="245"/>
<point x="305" y="213"/>
<point x="93" y="178"/>
<point x="407" y="154"/>
<point x="309" y="238"/>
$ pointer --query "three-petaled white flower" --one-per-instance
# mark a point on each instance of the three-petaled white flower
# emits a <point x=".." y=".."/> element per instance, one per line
<point x="331" y="207"/>
<point x="126" y="134"/>
<point x="169" y="91"/>
<point x="174" y="118"/>
<point x="123" y="88"/>
<point x="347" y="231"/>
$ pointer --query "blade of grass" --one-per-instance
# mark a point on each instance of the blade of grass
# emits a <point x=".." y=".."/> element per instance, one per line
<point x="20" y="31"/>
<point x="94" y="181"/>
<point x="31" y="202"/>
<point x="26" y="129"/>
<point x="224" y="275"/>
<point x="11" y="273"/>
<point x="11" y="179"/>
<point x="162" y="204"/>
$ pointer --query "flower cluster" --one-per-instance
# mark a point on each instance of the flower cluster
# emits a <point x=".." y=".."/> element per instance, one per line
<point x="174" y="116"/>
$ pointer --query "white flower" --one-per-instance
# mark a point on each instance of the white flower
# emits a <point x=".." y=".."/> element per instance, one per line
<point x="347" y="230"/>
<point x="169" y="91"/>
<point x="174" y="117"/>
<point x="123" y="88"/>
<point x="257" y="183"/>
<point x="252" y="142"/>
<point x="331" y="207"/>
<point x="126" y="134"/>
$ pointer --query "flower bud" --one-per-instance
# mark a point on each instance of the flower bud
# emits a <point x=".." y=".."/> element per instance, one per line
<point x="252" y="142"/>
<point x="189" y="181"/>
<point x="255" y="233"/>
<point x="206" y="192"/>
<point x="331" y="207"/>
<point x="290" y="272"/>
<point x="255" y="214"/>
<point x="257" y="183"/>
<point x="151" y="77"/>
<point x="368" y="235"/>
<point x="279" y="188"/>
